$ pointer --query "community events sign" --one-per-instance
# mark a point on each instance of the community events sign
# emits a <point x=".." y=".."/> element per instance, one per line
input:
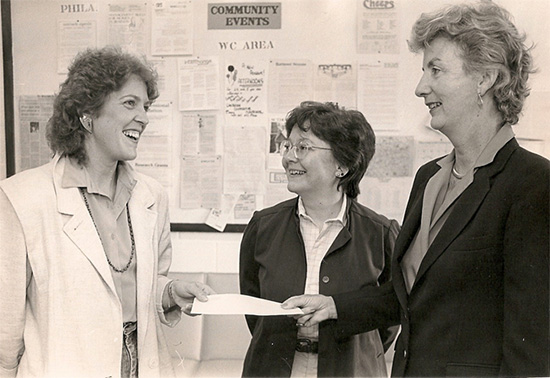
<point x="244" y="16"/>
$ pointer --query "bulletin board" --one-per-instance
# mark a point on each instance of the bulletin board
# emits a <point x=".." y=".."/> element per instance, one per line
<point x="229" y="72"/>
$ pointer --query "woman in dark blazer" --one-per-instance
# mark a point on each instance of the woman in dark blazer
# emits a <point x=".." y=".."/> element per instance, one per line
<point x="471" y="264"/>
<point x="323" y="241"/>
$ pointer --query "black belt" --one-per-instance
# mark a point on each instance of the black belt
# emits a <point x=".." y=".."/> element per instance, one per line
<point x="307" y="346"/>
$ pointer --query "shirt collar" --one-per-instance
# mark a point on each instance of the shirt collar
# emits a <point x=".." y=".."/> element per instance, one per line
<point x="75" y="176"/>
<point x="341" y="217"/>
<point x="488" y="154"/>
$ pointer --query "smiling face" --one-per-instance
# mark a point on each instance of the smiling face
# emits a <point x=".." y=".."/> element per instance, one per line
<point x="119" y="123"/>
<point x="315" y="174"/>
<point x="448" y="91"/>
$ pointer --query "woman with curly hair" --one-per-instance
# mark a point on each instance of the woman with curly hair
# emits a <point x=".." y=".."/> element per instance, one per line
<point x="86" y="240"/>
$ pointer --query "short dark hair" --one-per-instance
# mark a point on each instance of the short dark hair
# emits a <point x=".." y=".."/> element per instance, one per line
<point x="93" y="75"/>
<point x="488" y="39"/>
<point x="348" y="133"/>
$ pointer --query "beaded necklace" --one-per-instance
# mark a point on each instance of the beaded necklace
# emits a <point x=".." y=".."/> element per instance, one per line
<point x="133" y="251"/>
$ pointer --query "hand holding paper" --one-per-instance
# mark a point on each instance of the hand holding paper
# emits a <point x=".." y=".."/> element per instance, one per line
<point x="185" y="292"/>
<point x="317" y="308"/>
<point x="236" y="304"/>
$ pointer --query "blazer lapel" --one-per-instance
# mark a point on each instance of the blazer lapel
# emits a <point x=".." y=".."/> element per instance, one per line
<point x="406" y="235"/>
<point x="80" y="228"/>
<point x="463" y="210"/>
<point x="465" y="207"/>
<point x="343" y="237"/>
<point x="144" y="223"/>
<point x="411" y="224"/>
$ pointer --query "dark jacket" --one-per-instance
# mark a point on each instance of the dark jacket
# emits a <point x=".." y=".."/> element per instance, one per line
<point x="273" y="266"/>
<point x="480" y="303"/>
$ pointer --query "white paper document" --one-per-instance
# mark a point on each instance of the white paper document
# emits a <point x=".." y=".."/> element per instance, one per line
<point x="236" y="304"/>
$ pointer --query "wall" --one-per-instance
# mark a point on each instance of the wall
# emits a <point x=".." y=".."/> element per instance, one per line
<point x="322" y="31"/>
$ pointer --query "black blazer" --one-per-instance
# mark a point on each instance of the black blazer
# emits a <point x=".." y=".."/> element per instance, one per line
<point x="273" y="266"/>
<point x="480" y="303"/>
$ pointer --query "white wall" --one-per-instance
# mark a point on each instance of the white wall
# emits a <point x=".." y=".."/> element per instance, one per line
<point x="321" y="30"/>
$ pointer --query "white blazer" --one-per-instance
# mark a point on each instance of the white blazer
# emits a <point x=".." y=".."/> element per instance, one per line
<point x="60" y="315"/>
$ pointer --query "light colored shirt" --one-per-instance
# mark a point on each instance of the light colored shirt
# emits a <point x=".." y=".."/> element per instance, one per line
<point x="317" y="242"/>
<point x="109" y="216"/>
<point x="440" y="195"/>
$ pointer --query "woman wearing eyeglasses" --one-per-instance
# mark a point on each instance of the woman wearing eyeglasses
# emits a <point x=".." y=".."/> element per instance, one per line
<point x="321" y="242"/>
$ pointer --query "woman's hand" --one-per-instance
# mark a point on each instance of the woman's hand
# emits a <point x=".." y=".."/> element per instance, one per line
<point x="317" y="308"/>
<point x="183" y="293"/>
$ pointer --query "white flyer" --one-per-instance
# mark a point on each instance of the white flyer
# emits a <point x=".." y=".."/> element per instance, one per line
<point x="237" y="304"/>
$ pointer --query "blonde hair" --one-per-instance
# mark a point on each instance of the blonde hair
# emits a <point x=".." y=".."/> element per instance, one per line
<point x="488" y="39"/>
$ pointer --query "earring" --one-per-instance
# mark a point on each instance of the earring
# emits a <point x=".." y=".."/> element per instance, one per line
<point x="86" y="123"/>
<point x="479" y="99"/>
<point x="340" y="174"/>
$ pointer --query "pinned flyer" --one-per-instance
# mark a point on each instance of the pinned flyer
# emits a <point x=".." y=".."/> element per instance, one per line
<point x="218" y="218"/>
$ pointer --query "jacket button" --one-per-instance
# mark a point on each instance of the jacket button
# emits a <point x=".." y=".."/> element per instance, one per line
<point x="326" y="279"/>
<point x="405" y="353"/>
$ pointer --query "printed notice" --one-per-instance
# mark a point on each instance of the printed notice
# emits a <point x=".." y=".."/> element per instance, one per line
<point x="429" y="150"/>
<point x="276" y="190"/>
<point x="336" y="83"/>
<point x="127" y="25"/>
<point x="377" y="27"/>
<point x="154" y="150"/>
<point x="72" y="37"/>
<point x="290" y="83"/>
<point x="172" y="28"/>
<point x="244" y="207"/>
<point x="244" y="166"/>
<point x="378" y="92"/>
<point x="388" y="196"/>
<point x="159" y="65"/>
<point x="198" y="134"/>
<point x="201" y="182"/>
<point x="190" y="196"/>
<point x="198" y="83"/>
<point x="393" y="158"/>
<point x="211" y="181"/>
<point x="34" y="113"/>
<point x="276" y="136"/>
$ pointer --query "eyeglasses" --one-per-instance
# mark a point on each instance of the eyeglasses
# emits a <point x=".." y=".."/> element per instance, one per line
<point x="301" y="149"/>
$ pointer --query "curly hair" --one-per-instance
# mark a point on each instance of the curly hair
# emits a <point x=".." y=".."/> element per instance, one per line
<point x="488" y="40"/>
<point x="348" y="133"/>
<point x="93" y="75"/>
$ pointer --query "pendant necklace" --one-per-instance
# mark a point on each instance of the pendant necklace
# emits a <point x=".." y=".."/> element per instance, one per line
<point x="133" y="250"/>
